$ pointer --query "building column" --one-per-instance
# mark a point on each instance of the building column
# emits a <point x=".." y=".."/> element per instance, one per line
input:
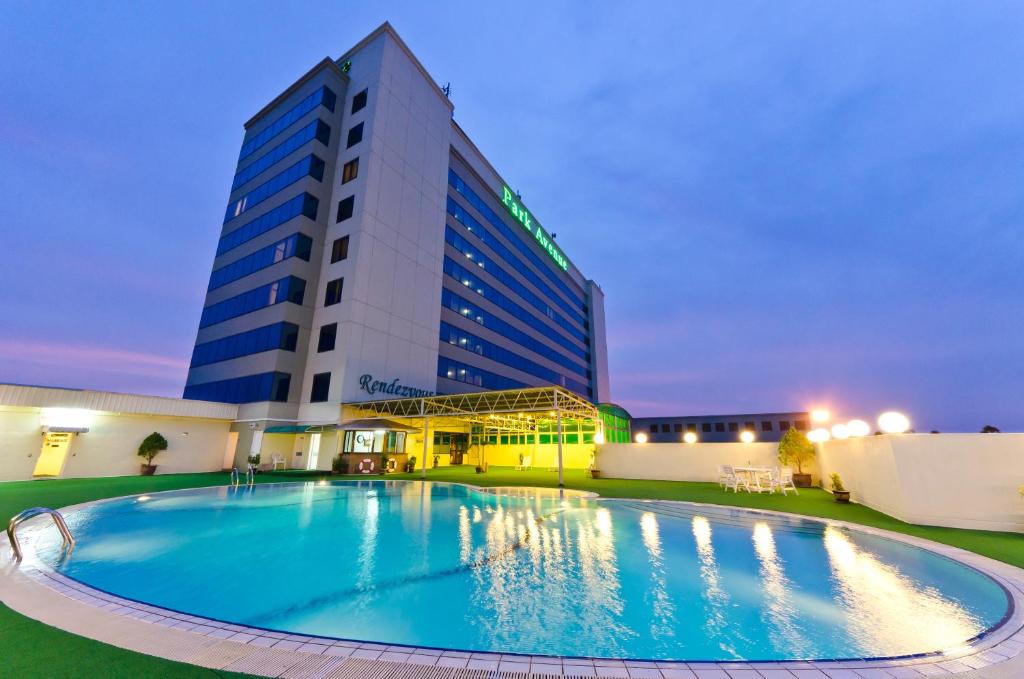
<point x="426" y="439"/>
<point x="558" y="418"/>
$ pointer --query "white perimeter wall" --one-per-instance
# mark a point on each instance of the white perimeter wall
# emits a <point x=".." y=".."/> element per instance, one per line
<point x="956" y="480"/>
<point x="681" y="462"/>
<point x="110" y="446"/>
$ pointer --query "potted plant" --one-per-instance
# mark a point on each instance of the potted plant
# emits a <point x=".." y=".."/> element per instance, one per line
<point x="338" y="465"/>
<point x="796" y="449"/>
<point x="841" y="494"/>
<point x="150" y="446"/>
<point x="410" y="465"/>
<point x="254" y="462"/>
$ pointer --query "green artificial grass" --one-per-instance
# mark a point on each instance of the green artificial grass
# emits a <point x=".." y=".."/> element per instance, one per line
<point x="31" y="649"/>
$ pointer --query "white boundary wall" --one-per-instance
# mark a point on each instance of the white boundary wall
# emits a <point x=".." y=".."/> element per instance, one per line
<point x="680" y="461"/>
<point x="955" y="480"/>
<point x="197" y="432"/>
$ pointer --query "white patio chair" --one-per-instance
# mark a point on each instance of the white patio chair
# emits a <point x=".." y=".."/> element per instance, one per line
<point x="275" y="460"/>
<point x="734" y="480"/>
<point x="527" y="463"/>
<point x="721" y="475"/>
<point x="783" y="480"/>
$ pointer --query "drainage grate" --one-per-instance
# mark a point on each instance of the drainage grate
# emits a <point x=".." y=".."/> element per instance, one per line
<point x="265" y="663"/>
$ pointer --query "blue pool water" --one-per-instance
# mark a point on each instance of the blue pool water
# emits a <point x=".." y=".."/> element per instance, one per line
<point x="446" y="566"/>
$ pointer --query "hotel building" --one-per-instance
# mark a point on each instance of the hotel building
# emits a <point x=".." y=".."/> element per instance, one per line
<point x="370" y="251"/>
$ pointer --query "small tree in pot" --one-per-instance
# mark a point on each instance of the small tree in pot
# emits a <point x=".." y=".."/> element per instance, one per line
<point x="838" y="490"/>
<point x="796" y="449"/>
<point x="150" y="446"/>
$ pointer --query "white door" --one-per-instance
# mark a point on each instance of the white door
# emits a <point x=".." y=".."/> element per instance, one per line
<point x="314" y="451"/>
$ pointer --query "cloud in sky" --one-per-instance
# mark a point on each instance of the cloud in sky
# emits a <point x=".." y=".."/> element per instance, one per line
<point x="785" y="203"/>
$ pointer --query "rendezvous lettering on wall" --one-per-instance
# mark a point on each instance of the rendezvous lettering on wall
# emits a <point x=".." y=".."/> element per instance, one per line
<point x="523" y="216"/>
<point x="372" y="386"/>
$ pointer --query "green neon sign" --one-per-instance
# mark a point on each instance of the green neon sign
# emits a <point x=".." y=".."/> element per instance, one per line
<point x="522" y="215"/>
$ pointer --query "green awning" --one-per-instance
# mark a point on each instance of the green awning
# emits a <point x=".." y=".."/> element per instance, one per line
<point x="299" y="428"/>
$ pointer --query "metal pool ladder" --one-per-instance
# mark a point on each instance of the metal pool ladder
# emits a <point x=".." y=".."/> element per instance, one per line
<point x="23" y="516"/>
<point x="249" y="476"/>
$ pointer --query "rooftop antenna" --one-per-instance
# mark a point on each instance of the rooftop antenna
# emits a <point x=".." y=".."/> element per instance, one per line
<point x="447" y="89"/>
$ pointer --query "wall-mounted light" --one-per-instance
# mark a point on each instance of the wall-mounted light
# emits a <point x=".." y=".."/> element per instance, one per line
<point x="820" y="415"/>
<point x="857" y="428"/>
<point x="67" y="418"/>
<point x="747" y="436"/>
<point x="690" y="437"/>
<point x="599" y="438"/>
<point x="840" y="431"/>
<point x="892" y="422"/>
<point x="640" y="438"/>
<point x="819" y="435"/>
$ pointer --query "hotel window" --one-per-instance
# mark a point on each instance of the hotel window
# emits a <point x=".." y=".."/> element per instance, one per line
<point x="359" y="101"/>
<point x="328" y="335"/>
<point x="321" y="386"/>
<point x="654" y="429"/>
<point x="719" y="426"/>
<point x="691" y="427"/>
<point x="664" y="429"/>
<point x="339" y="250"/>
<point x="766" y="425"/>
<point x="749" y="426"/>
<point x="677" y="428"/>
<point x="734" y="426"/>
<point x="333" y="295"/>
<point x="355" y="135"/>
<point x="801" y="425"/>
<point x="705" y="427"/>
<point x="783" y="425"/>
<point x="350" y="171"/>
<point x="345" y="208"/>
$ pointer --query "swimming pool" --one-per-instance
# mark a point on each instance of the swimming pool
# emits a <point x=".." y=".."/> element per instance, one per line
<point x="448" y="566"/>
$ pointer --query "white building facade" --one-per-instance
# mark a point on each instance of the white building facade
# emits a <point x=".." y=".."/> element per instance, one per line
<point x="369" y="250"/>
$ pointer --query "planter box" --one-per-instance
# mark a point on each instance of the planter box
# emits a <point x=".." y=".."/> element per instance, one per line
<point x="148" y="469"/>
<point x="842" y="496"/>
<point x="802" y="480"/>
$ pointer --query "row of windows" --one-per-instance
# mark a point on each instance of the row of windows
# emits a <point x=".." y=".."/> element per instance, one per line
<point x="460" y="372"/>
<point x="276" y="336"/>
<point x="310" y="166"/>
<point x="289" y="289"/>
<point x="296" y="245"/>
<point x="317" y="129"/>
<point x="302" y="204"/>
<point x="510" y="281"/>
<point x="323" y="96"/>
<point x="471" y="281"/>
<point x="720" y="427"/>
<point x="490" y="240"/>
<point x="460" y="338"/>
<point x="513" y="235"/>
<point x="248" y="389"/>
<point x="471" y="311"/>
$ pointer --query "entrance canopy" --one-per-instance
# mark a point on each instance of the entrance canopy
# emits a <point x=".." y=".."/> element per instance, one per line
<point x="509" y="411"/>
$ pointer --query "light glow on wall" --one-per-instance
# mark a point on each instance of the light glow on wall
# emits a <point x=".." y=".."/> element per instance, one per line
<point x="857" y="428"/>
<point x="640" y="438"/>
<point x="67" y="418"/>
<point x="690" y="437"/>
<point x="840" y="431"/>
<point x="599" y="438"/>
<point x="819" y="435"/>
<point x="747" y="436"/>
<point x="820" y="415"/>
<point x="892" y="422"/>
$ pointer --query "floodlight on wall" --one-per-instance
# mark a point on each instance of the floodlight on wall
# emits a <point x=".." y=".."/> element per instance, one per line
<point x="73" y="419"/>
<point x="640" y="438"/>
<point x="840" y="431"/>
<point x="690" y="437"/>
<point x="857" y="428"/>
<point x="819" y="435"/>
<point x="747" y="436"/>
<point x="820" y="415"/>
<point x="892" y="422"/>
<point x="599" y="438"/>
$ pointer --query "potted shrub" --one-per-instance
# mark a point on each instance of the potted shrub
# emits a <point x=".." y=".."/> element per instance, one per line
<point x="150" y="446"/>
<point x="338" y="465"/>
<point x="796" y="449"/>
<point x="254" y="461"/>
<point x="841" y="494"/>
<point x="410" y="465"/>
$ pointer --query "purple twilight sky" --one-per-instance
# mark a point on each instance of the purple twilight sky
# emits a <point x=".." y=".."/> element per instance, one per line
<point x="786" y="203"/>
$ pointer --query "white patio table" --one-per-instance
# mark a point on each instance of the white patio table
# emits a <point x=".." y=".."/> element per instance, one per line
<point x="754" y="476"/>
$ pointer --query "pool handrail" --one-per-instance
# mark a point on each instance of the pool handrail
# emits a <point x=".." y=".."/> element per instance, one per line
<point x="27" y="514"/>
